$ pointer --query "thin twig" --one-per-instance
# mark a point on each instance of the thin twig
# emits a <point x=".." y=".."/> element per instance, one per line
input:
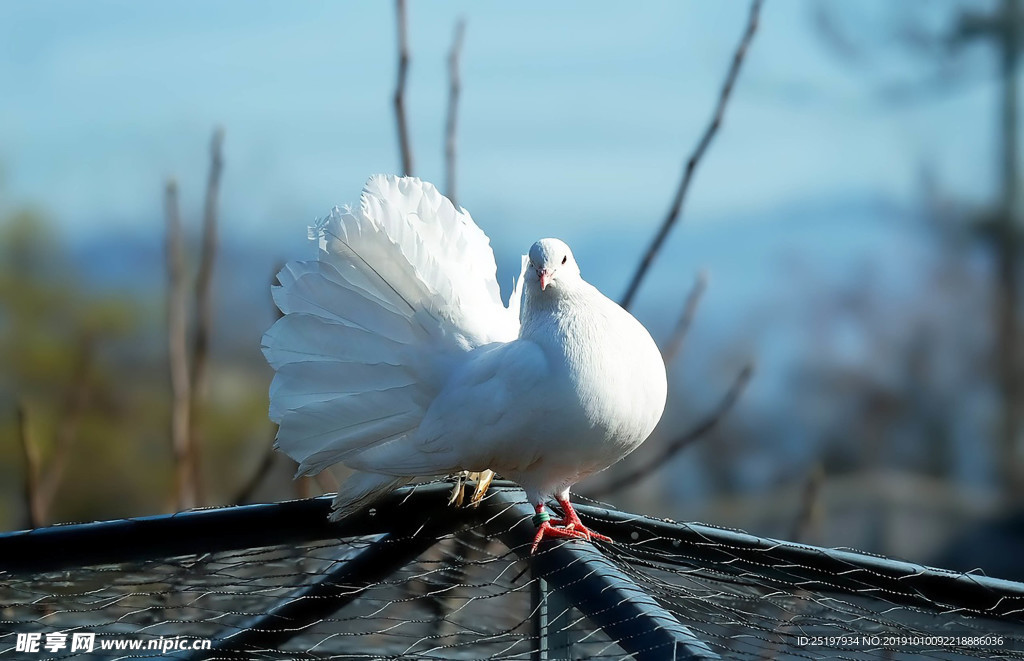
<point x="204" y="310"/>
<point x="303" y="487"/>
<point x="673" y="448"/>
<point x="691" y="164"/>
<point x="51" y="476"/>
<point x="675" y="342"/>
<point x="454" y="89"/>
<point x="321" y="483"/>
<point x="807" y="525"/>
<point x="177" y="350"/>
<point x="403" y="69"/>
<point x="30" y="454"/>
<point x="327" y="482"/>
<point x="245" y="494"/>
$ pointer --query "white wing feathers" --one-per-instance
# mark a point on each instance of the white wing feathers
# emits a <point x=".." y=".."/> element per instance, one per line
<point x="403" y="287"/>
<point x="432" y="255"/>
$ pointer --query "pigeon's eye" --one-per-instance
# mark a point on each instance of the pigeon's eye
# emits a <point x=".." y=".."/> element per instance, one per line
<point x="565" y="259"/>
<point x="531" y="263"/>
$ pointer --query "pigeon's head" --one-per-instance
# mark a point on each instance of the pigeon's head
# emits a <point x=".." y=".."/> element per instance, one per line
<point x="551" y="265"/>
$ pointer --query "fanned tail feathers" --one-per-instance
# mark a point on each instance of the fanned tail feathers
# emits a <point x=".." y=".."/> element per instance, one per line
<point x="401" y="287"/>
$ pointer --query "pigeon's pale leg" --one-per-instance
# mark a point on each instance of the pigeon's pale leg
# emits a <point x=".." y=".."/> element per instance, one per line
<point x="458" y="489"/>
<point x="483" y="481"/>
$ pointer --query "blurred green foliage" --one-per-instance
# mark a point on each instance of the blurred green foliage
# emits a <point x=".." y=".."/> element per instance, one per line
<point x="89" y="368"/>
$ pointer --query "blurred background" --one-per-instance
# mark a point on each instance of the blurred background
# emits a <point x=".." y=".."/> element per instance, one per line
<point x="850" y="371"/>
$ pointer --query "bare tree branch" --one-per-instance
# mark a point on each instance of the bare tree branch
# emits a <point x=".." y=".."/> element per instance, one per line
<point x="454" y="89"/>
<point x="864" y="45"/>
<point x="673" y="448"/>
<point x="691" y="164"/>
<point x="204" y="310"/>
<point x="34" y="514"/>
<point x="302" y="487"/>
<point x="50" y="478"/>
<point x="675" y="342"/>
<point x="828" y="27"/>
<point x="327" y="482"/>
<point x="807" y="525"/>
<point x="177" y="347"/>
<point x="245" y="494"/>
<point x="403" y="69"/>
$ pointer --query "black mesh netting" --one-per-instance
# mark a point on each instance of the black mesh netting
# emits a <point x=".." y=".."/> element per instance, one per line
<point x="456" y="601"/>
<point x="469" y="596"/>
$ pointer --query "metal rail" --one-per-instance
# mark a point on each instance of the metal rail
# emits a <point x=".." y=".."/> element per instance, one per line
<point x="595" y="586"/>
<point x="736" y="553"/>
<point x="216" y="530"/>
<point x="724" y="552"/>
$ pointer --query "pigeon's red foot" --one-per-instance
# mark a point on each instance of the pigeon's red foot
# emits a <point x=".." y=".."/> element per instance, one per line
<point x="545" y="529"/>
<point x="572" y="520"/>
<point x="569" y="527"/>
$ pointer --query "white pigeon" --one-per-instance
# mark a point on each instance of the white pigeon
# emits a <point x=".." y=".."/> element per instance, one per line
<point x="396" y="357"/>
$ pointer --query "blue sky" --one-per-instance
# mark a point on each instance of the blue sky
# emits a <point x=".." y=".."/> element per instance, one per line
<point x="576" y="116"/>
<point x="575" y="121"/>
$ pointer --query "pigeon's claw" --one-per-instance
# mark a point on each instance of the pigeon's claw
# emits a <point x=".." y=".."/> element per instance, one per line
<point x="567" y="527"/>
<point x="546" y="530"/>
<point x="483" y="481"/>
<point x="458" y="490"/>
<point x="574" y="529"/>
<point x="572" y="521"/>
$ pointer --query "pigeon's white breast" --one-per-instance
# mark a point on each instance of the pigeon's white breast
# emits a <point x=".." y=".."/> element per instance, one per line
<point x="614" y="372"/>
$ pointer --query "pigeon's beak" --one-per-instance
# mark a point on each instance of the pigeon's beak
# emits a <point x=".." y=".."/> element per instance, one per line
<point x="545" y="278"/>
